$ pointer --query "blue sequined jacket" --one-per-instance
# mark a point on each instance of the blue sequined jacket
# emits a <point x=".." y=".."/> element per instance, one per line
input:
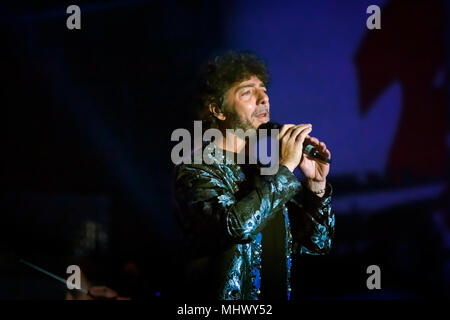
<point x="222" y="211"/>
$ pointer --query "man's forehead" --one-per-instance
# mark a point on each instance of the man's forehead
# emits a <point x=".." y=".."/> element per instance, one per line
<point x="253" y="81"/>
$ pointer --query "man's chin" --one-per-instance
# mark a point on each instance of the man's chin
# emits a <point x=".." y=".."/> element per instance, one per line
<point x="262" y="121"/>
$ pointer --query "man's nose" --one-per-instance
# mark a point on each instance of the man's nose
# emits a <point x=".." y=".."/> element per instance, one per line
<point x="263" y="98"/>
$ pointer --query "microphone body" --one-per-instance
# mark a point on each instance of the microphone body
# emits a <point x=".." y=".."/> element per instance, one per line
<point x="308" y="149"/>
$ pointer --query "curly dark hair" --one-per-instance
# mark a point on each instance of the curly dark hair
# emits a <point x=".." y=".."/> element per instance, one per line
<point x="222" y="73"/>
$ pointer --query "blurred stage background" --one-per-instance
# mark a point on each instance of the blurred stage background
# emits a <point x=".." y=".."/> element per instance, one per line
<point x="88" y="116"/>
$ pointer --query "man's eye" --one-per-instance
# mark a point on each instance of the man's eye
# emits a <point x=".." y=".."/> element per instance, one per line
<point x="246" y="93"/>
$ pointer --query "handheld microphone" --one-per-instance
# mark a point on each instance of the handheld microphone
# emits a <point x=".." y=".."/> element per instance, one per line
<point x="308" y="149"/>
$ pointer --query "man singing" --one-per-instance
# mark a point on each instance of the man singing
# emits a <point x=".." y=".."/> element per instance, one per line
<point x="241" y="229"/>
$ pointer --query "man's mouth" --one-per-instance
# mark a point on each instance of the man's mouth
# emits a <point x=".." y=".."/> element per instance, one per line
<point x="262" y="115"/>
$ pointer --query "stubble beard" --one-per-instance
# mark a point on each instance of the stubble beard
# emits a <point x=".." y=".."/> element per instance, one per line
<point x="237" y="123"/>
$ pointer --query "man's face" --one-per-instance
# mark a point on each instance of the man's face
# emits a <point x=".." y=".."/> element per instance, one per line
<point x="246" y="105"/>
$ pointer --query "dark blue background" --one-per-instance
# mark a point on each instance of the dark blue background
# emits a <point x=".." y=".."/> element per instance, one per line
<point x="88" y="116"/>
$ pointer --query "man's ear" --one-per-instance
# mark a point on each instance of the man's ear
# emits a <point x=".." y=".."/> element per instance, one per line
<point x="216" y="111"/>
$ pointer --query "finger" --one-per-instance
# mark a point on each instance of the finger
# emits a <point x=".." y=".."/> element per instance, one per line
<point x="288" y="134"/>
<point x="312" y="140"/>
<point x="321" y="146"/>
<point x="300" y="136"/>
<point x="283" y="130"/>
<point x="299" y="129"/>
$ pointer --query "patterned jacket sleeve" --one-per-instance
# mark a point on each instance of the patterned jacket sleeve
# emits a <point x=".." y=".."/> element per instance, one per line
<point x="210" y="215"/>
<point x="312" y="222"/>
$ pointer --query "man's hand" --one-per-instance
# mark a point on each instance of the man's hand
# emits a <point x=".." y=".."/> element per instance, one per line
<point x="291" y="138"/>
<point x="314" y="170"/>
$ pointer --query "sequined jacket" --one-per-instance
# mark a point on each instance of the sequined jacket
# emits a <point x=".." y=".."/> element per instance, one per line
<point x="221" y="213"/>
